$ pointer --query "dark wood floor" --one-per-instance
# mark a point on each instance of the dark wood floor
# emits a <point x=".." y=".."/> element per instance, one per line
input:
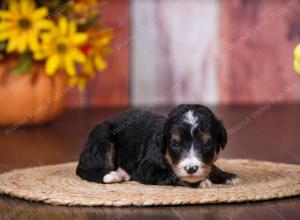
<point x="260" y="132"/>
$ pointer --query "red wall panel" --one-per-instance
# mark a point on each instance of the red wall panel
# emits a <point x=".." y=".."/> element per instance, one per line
<point x="257" y="39"/>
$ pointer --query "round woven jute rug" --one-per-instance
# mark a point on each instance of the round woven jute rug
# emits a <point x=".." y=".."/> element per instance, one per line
<point x="58" y="185"/>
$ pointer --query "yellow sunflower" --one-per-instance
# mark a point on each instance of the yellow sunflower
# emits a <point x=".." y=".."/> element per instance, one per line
<point x="97" y="49"/>
<point x="61" y="47"/>
<point x="21" y="25"/>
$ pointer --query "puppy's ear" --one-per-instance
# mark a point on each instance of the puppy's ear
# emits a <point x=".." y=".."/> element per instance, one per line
<point x="221" y="135"/>
<point x="164" y="135"/>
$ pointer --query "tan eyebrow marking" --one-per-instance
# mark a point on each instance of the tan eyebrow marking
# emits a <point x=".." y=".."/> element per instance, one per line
<point x="205" y="138"/>
<point x="176" y="137"/>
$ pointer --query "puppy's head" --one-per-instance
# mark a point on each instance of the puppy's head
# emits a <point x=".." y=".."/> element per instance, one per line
<point x="193" y="137"/>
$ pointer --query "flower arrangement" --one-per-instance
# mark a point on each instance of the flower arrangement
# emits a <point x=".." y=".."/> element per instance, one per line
<point x="63" y="34"/>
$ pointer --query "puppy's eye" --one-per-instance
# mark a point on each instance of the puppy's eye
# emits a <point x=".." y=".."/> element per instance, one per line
<point x="175" y="146"/>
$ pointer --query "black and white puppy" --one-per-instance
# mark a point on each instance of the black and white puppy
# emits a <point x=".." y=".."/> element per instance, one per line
<point x="139" y="145"/>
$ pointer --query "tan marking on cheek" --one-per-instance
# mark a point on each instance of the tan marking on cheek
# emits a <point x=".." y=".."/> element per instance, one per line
<point x="205" y="138"/>
<point x="169" y="160"/>
<point x="176" y="137"/>
<point x="206" y="169"/>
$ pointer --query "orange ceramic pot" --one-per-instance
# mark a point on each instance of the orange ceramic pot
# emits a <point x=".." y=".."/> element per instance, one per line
<point x="32" y="98"/>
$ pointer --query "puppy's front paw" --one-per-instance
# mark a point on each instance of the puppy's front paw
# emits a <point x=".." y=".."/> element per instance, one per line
<point x="205" y="184"/>
<point x="232" y="180"/>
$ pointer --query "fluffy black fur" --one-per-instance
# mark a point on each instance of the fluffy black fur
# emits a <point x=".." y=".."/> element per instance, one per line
<point x="142" y="144"/>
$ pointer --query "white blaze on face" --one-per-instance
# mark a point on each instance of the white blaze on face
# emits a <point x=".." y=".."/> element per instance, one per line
<point x="191" y="119"/>
<point x="190" y="160"/>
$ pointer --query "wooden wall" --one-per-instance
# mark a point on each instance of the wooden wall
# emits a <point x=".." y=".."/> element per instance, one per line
<point x="202" y="51"/>
<point x="257" y="39"/>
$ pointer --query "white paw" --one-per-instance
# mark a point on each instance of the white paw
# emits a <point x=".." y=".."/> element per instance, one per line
<point x="233" y="181"/>
<point x="205" y="184"/>
<point x="112" y="177"/>
<point x="116" y="176"/>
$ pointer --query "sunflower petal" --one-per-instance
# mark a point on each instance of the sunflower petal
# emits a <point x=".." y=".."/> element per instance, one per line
<point x="73" y="81"/>
<point x="47" y="37"/>
<point x="33" y="41"/>
<point x="12" y="45"/>
<point x="52" y="64"/>
<point x="40" y="13"/>
<point x="104" y="41"/>
<point x="297" y="66"/>
<point x="6" y="25"/>
<point x="100" y="63"/>
<point x="22" y="43"/>
<point x="4" y="35"/>
<point x="39" y="55"/>
<point x="63" y="25"/>
<point x="297" y="52"/>
<point x="82" y="84"/>
<point x="79" y="39"/>
<point x="14" y="32"/>
<point x="45" y="25"/>
<point x="78" y="56"/>
<point x="88" y="68"/>
<point x="26" y="6"/>
<point x="13" y="6"/>
<point x="72" y="27"/>
<point x="5" y="14"/>
<point x="69" y="66"/>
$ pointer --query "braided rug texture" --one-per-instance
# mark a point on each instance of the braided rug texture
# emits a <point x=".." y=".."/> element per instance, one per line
<point x="58" y="185"/>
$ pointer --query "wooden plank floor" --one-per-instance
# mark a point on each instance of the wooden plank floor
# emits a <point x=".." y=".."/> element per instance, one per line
<point x="258" y="132"/>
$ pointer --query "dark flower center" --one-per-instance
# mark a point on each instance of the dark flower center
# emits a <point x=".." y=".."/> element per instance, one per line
<point x="62" y="48"/>
<point x="25" y="23"/>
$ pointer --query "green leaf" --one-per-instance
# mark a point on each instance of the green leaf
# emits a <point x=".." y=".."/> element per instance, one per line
<point x="24" y="65"/>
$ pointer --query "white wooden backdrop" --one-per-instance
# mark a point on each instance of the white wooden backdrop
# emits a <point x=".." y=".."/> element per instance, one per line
<point x="175" y="50"/>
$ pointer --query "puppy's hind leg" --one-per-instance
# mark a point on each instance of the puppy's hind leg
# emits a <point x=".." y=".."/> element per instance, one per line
<point x="98" y="156"/>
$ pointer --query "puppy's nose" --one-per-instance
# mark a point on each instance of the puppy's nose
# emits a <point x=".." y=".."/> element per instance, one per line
<point x="191" y="169"/>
